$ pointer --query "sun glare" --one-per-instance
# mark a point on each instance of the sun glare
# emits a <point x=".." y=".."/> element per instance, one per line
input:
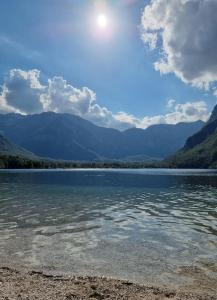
<point x="102" y="21"/>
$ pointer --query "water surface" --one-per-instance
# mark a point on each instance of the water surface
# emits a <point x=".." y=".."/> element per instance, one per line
<point x="142" y="225"/>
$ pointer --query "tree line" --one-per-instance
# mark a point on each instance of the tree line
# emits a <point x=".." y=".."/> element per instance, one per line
<point x="18" y="162"/>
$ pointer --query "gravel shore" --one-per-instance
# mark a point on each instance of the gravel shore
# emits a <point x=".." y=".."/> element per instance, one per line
<point x="32" y="285"/>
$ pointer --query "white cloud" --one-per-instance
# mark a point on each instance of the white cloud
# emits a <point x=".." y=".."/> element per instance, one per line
<point x="60" y="96"/>
<point x="186" y="33"/>
<point x="171" y="103"/>
<point x="23" y="92"/>
<point x="190" y="111"/>
<point x="186" y="112"/>
<point x="150" y="39"/>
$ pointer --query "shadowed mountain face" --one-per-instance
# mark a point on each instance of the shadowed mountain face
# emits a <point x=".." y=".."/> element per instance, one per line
<point x="69" y="137"/>
<point x="8" y="148"/>
<point x="200" y="149"/>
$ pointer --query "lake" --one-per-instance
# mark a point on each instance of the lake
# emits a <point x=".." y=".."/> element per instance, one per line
<point x="143" y="225"/>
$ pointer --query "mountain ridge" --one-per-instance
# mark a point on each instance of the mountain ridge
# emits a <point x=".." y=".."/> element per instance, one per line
<point x="69" y="137"/>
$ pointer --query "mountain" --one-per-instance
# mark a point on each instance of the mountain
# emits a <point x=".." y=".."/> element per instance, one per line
<point x="200" y="150"/>
<point x="162" y="140"/>
<point x="9" y="149"/>
<point x="69" y="137"/>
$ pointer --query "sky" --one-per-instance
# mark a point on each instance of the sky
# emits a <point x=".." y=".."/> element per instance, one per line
<point x="119" y="64"/>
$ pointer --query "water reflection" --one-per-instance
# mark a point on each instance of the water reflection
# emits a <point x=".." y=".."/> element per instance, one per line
<point x="131" y="224"/>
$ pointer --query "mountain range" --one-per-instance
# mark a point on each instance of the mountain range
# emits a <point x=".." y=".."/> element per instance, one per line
<point x="200" y="150"/>
<point x="69" y="137"/>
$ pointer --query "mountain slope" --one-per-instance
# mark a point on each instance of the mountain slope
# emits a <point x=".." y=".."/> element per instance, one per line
<point x="200" y="150"/>
<point x="161" y="140"/>
<point x="69" y="137"/>
<point x="7" y="148"/>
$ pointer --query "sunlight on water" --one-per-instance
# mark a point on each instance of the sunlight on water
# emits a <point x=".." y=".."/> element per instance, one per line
<point x="142" y="225"/>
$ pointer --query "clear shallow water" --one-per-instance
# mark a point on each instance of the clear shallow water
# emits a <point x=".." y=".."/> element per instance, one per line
<point x="142" y="225"/>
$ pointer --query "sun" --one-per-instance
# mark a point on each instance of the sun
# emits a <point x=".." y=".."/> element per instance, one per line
<point x="102" y="21"/>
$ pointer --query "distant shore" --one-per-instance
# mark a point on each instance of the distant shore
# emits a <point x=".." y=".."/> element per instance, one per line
<point x="20" y="162"/>
<point x="31" y="285"/>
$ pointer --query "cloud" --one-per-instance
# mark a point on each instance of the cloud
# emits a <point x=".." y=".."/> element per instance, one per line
<point x="171" y="103"/>
<point x="185" y="33"/>
<point x="186" y="112"/>
<point x="23" y="92"/>
<point x="191" y="111"/>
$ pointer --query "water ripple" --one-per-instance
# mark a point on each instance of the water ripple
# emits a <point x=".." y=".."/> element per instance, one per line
<point x="119" y="223"/>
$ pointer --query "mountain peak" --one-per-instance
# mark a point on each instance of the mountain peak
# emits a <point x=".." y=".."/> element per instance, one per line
<point x="69" y="137"/>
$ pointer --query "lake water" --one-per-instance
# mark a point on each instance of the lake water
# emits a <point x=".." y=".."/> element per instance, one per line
<point x="143" y="225"/>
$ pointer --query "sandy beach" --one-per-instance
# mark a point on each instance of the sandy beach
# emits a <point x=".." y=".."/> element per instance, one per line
<point x="31" y="285"/>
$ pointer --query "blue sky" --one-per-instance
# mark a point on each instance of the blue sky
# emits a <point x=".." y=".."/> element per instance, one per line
<point x="61" y="38"/>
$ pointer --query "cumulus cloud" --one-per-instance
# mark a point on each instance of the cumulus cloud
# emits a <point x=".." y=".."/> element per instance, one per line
<point x="186" y="112"/>
<point x="192" y="111"/>
<point x="23" y="92"/>
<point x="185" y="33"/>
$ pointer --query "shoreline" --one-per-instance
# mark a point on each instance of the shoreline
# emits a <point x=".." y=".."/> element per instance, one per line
<point x="17" y="284"/>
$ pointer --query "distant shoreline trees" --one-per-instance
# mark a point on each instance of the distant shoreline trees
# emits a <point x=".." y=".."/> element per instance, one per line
<point x="18" y="162"/>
